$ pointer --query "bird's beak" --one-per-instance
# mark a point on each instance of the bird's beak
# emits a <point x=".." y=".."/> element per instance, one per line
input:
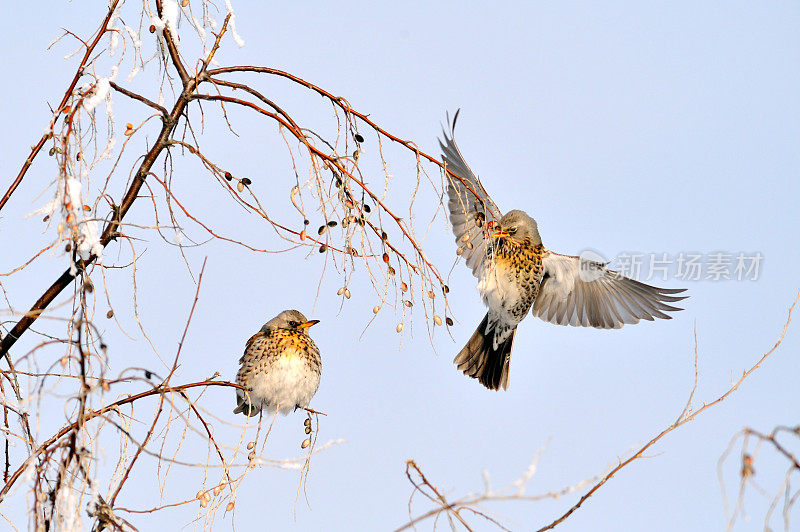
<point x="499" y="234"/>
<point x="307" y="324"/>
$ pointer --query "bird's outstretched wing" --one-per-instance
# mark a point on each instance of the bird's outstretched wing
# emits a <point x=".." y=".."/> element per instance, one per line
<point x="583" y="293"/>
<point x="470" y="206"/>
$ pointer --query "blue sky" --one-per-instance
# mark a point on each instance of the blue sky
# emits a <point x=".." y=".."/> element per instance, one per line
<point x="667" y="127"/>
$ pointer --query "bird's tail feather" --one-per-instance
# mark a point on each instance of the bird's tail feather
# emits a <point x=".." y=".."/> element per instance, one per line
<point x="244" y="406"/>
<point x="480" y="360"/>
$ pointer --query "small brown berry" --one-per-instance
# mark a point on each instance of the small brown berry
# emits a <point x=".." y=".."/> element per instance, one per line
<point x="376" y="309"/>
<point x="251" y="455"/>
<point x="110" y="314"/>
<point x="240" y="186"/>
<point x="437" y="320"/>
<point x="322" y="229"/>
<point x="307" y="422"/>
<point x="449" y="321"/>
<point x="399" y="327"/>
<point x="250" y="445"/>
<point x="152" y="28"/>
<point x="323" y="248"/>
<point x="308" y="430"/>
<point x="332" y="223"/>
<point x="247" y="181"/>
<point x="229" y="507"/>
<point x="403" y="286"/>
<point x="305" y="443"/>
<point x="303" y="234"/>
<point x="386" y="258"/>
<point x="408" y="303"/>
<point x="391" y="270"/>
<point x="367" y="208"/>
<point x="340" y="291"/>
<point x="358" y="138"/>
<point x="431" y="295"/>
<point x="445" y="289"/>
<point x="347" y="293"/>
<point x="228" y="176"/>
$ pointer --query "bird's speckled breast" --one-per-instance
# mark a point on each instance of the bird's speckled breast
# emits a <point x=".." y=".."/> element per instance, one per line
<point x="521" y="266"/>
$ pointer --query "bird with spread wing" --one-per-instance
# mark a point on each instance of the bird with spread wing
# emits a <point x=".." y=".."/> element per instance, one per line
<point x="516" y="273"/>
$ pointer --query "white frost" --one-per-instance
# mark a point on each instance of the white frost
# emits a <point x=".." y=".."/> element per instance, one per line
<point x="170" y="10"/>
<point x="101" y="91"/>
<point x="236" y="36"/>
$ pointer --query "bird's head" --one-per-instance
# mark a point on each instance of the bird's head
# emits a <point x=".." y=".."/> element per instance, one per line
<point x="517" y="227"/>
<point x="290" y="320"/>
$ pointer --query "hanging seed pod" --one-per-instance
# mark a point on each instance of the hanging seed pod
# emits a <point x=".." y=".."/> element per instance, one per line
<point x="322" y="229"/>
<point x="466" y="237"/>
<point x="399" y="327"/>
<point x="240" y="186"/>
<point x="403" y="287"/>
<point x="251" y="455"/>
<point x="303" y="234"/>
<point x="305" y="443"/>
<point x="367" y="208"/>
<point x="200" y="494"/>
<point x="306" y="222"/>
<point x="217" y="490"/>
<point x="323" y="248"/>
<point x="408" y="303"/>
<point x="347" y="293"/>
<point x="250" y="445"/>
<point x="449" y="321"/>
<point x="338" y="183"/>
<point x="348" y="204"/>
<point x="384" y="236"/>
<point x="431" y="295"/>
<point x="470" y="245"/>
<point x="63" y="361"/>
<point x="52" y="152"/>
<point x="358" y="138"/>
<point x="437" y="320"/>
<point x="247" y="181"/>
<point x="308" y="430"/>
<point x="86" y="208"/>
<point x="391" y="270"/>
<point x="307" y="422"/>
<point x="105" y="385"/>
<point x="68" y="247"/>
<point x="340" y="291"/>
<point x="152" y="28"/>
<point x="228" y="176"/>
<point x="110" y="314"/>
<point x="376" y="309"/>
<point x="78" y="156"/>
<point x="229" y="507"/>
<point x="204" y="503"/>
<point x="332" y="223"/>
<point x="445" y="289"/>
<point x="386" y="258"/>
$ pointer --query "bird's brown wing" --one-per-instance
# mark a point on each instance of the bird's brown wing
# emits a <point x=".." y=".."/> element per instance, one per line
<point x="586" y="294"/>
<point x="252" y="339"/>
<point x="470" y="206"/>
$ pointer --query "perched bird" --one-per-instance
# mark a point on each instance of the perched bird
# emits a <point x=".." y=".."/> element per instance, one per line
<point x="280" y="367"/>
<point x="516" y="272"/>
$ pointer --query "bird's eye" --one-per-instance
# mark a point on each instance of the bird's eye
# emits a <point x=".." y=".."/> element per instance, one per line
<point x="293" y="324"/>
<point x="512" y="230"/>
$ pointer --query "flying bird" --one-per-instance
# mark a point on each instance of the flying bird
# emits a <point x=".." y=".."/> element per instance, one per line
<point x="281" y="367"/>
<point x="516" y="273"/>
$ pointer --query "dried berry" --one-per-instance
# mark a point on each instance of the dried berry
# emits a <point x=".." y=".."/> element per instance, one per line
<point x="110" y="314"/>
<point x="323" y="248"/>
<point x="229" y="507"/>
<point x="308" y="430"/>
<point x="228" y="176"/>
<point x="399" y="327"/>
<point x="358" y="138"/>
<point x="403" y="286"/>
<point x="386" y="258"/>
<point x="445" y="289"/>
<point x="305" y="443"/>
<point x="449" y="321"/>
<point x="152" y="28"/>
<point x="240" y="186"/>
<point x="250" y="445"/>
<point x="437" y="320"/>
<point x="367" y="208"/>
<point x="376" y="309"/>
<point x="306" y="222"/>
<point x="408" y="303"/>
<point x="322" y="229"/>
<point x="391" y="270"/>
<point x="332" y="223"/>
<point x="247" y="181"/>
